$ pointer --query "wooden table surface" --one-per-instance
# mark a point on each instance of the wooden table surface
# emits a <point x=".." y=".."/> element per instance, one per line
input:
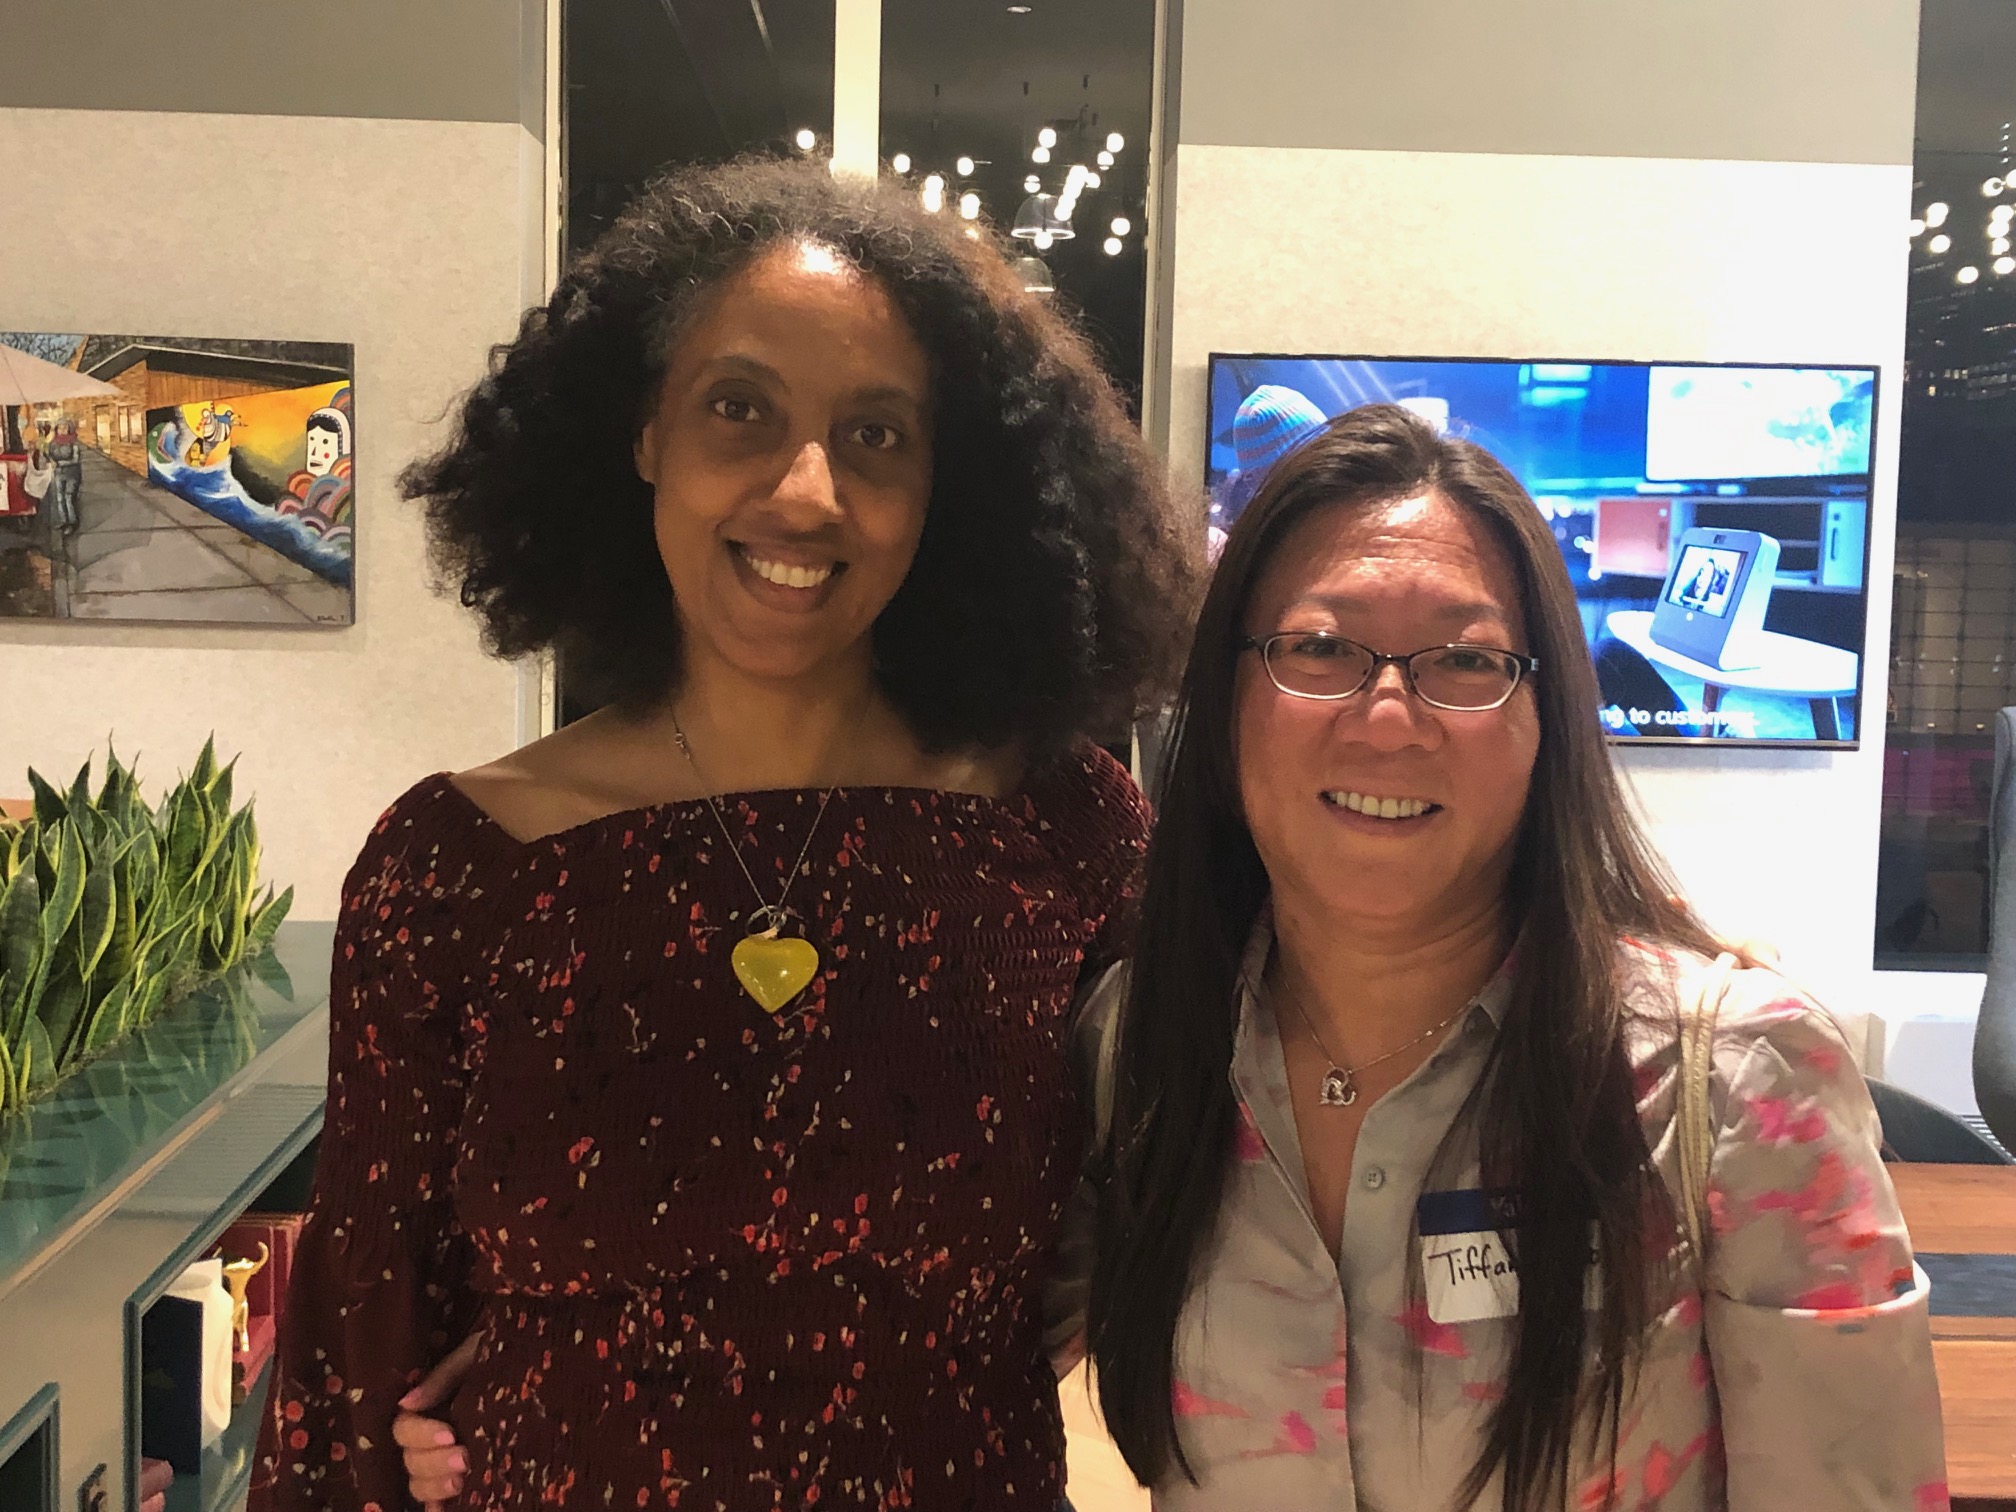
<point x="1970" y="1210"/>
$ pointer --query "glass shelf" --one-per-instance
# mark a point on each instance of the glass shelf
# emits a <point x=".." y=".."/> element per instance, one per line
<point x="227" y="1464"/>
<point x="70" y="1159"/>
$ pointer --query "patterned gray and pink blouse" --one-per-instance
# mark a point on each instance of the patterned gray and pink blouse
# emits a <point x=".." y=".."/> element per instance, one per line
<point x="1799" y="1379"/>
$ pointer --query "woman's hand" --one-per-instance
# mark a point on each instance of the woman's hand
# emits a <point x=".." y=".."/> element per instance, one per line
<point x="434" y="1461"/>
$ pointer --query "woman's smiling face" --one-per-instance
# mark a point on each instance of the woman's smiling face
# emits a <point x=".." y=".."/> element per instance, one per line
<point x="790" y="455"/>
<point x="1397" y="577"/>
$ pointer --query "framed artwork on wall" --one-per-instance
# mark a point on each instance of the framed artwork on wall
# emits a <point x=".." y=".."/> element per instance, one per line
<point x="175" y="479"/>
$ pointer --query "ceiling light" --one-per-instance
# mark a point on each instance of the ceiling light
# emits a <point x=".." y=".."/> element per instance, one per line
<point x="1105" y="159"/>
<point x="1042" y="241"/>
<point x="1115" y="142"/>
<point x="1991" y="187"/>
<point x="1031" y="184"/>
<point x="1047" y="137"/>
<point x="1035" y="274"/>
<point x="1917" y="226"/>
<point x="1037" y="218"/>
<point x="1114" y="246"/>
<point x="934" y="183"/>
<point x="1967" y="275"/>
<point x="1040" y="155"/>
<point x="1999" y="245"/>
<point x="806" y="139"/>
<point x="1092" y="181"/>
<point x="969" y="206"/>
<point x="1939" y="244"/>
<point x="1020" y="10"/>
<point x="1067" y="206"/>
<point x="900" y="162"/>
<point x="2004" y="265"/>
<point x="1935" y="213"/>
<point x="965" y="167"/>
<point x="1122" y="225"/>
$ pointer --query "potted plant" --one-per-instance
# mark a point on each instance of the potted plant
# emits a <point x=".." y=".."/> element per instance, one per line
<point x="111" y="910"/>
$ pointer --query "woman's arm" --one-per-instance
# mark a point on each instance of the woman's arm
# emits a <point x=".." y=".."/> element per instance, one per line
<point x="379" y="1285"/>
<point x="1816" y="1324"/>
<point x="1070" y="1279"/>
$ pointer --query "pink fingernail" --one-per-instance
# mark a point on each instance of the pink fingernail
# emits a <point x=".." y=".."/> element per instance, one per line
<point x="443" y="1438"/>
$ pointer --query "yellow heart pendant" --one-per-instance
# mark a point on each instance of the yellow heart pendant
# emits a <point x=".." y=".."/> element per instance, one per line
<point x="774" y="970"/>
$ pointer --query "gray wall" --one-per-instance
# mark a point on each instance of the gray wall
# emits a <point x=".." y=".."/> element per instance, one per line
<point x="1785" y="80"/>
<point x="419" y="60"/>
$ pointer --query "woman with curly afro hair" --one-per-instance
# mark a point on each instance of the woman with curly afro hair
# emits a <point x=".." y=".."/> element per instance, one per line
<point x="699" y="1123"/>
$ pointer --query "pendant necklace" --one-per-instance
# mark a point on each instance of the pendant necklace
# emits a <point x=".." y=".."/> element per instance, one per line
<point x="1340" y="1083"/>
<point x="773" y="967"/>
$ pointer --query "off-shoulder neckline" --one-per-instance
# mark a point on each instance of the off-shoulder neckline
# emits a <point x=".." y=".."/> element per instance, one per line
<point x="645" y="814"/>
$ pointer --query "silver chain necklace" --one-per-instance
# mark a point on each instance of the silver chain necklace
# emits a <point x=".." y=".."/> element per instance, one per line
<point x="772" y="968"/>
<point x="1340" y="1083"/>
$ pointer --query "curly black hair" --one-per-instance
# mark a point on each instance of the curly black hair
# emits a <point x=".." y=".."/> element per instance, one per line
<point x="1053" y="586"/>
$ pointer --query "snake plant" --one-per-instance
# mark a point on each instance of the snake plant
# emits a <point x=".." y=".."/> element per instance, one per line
<point x="110" y="910"/>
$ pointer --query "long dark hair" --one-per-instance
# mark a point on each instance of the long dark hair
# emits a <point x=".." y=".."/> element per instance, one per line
<point x="1558" y="1095"/>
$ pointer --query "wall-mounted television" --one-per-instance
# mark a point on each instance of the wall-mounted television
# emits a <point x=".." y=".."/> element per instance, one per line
<point x="1714" y="517"/>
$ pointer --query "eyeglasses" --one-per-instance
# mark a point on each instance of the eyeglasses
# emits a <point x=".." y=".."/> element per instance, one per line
<point x="1464" y="678"/>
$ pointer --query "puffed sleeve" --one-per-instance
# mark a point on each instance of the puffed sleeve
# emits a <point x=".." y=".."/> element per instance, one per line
<point x="1817" y="1329"/>
<point x="1097" y="821"/>
<point x="379" y="1289"/>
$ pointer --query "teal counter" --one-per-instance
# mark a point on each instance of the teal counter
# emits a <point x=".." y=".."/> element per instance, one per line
<point x="130" y="1170"/>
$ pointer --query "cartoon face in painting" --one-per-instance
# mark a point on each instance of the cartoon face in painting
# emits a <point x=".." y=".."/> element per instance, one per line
<point x="213" y="424"/>
<point x="328" y="442"/>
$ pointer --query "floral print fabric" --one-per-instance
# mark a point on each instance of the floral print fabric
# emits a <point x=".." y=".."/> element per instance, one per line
<point x="1800" y="1376"/>
<point x="723" y="1260"/>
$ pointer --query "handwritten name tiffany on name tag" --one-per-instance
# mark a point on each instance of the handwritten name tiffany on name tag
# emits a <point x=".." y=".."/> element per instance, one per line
<point x="1468" y="1272"/>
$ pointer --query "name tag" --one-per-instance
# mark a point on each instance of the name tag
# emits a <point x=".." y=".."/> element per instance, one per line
<point x="1468" y="1273"/>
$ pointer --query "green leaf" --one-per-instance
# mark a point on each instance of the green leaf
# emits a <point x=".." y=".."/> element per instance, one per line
<point x="49" y="805"/>
<point x="267" y="921"/>
<point x="185" y="835"/>
<point x="96" y="918"/>
<point x="206" y="766"/>
<point x="115" y="780"/>
<point x="37" y="1066"/>
<point x="61" y="1006"/>
<point x="146" y="1000"/>
<point x="218" y="830"/>
<point x="108" y="1018"/>
<point x="20" y="940"/>
<point x="220" y="789"/>
<point x="60" y="908"/>
<point x="80" y="788"/>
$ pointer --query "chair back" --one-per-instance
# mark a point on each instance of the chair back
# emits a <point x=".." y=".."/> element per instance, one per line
<point x="1995" y="1031"/>
<point x="1924" y="1133"/>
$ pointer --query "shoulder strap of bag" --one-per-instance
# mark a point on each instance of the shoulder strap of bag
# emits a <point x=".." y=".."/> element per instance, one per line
<point x="1694" y="1121"/>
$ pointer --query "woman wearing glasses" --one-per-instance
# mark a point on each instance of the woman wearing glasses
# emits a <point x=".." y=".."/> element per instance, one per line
<point x="702" y="1063"/>
<point x="1395" y="1187"/>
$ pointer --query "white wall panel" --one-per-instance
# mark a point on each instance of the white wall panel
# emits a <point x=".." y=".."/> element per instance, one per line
<point x="407" y="239"/>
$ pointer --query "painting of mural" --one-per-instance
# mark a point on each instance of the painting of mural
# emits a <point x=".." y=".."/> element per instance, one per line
<point x="186" y="479"/>
<point x="275" y="465"/>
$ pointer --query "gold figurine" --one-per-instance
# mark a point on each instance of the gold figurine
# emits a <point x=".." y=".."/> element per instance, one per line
<point x="238" y="1275"/>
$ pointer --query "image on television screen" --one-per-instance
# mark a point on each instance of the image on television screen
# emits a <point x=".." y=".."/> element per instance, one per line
<point x="1704" y="579"/>
<point x="1640" y="469"/>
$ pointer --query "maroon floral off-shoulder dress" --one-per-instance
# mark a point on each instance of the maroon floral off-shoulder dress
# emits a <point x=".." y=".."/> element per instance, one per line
<point x="722" y="1260"/>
